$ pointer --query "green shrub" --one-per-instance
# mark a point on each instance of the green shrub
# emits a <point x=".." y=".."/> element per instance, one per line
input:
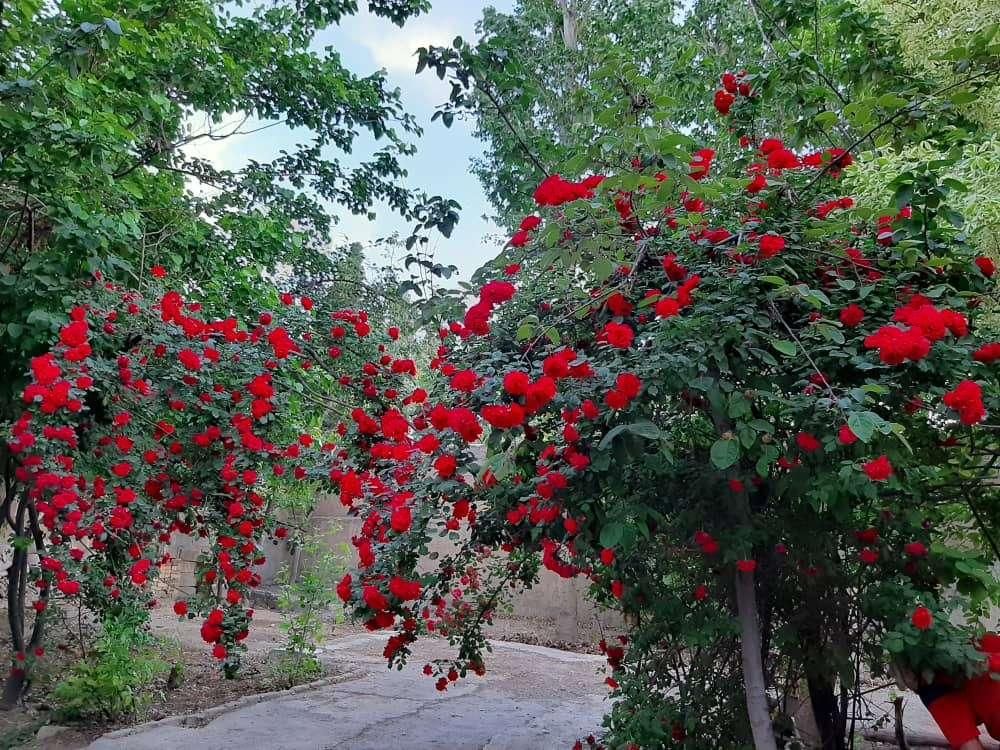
<point x="308" y="603"/>
<point x="114" y="681"/>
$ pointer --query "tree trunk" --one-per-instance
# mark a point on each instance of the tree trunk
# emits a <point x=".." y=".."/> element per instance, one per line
<point x="826" y="712"/>
<point x="570" y="23"/>
<point x="754" y="685"/>
<point x="18" y="680"/>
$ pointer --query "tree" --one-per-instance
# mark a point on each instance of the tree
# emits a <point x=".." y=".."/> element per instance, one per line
<point x="98" y="116"/>
<point x="827" y="70"/>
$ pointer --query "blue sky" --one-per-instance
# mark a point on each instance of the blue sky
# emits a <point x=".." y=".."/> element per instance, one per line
<point x="441" y="166"/>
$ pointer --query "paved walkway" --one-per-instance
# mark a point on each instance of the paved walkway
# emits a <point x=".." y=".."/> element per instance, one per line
<point x="532" y="698"/>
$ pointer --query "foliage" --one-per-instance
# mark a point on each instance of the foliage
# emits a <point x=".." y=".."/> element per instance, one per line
<point x="749" y="413"/>
<point x="148" y="421"/>
<point x="973" y="170"/>
<point x="114" y="682"/>
<point x="541" y="97"/>
<point x="754" y="414"/>
<point x="778" y="373"/>
<point x="98" y="117"/>
<point x="295" y="668"/>
<point x="103" y="112"/>
<point x="929" y="29"/>
<point x="307" y="598"/>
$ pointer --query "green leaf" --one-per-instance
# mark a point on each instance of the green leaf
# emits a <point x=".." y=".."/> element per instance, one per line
<point x="826" y="119"/>
<point x="964" y="97"/>
<point x="891" y="101"/>
<point x="603" y="269"/>
<point x="643" y="428"/>
<point x="775" y="280"/>
<point x="612" y="534"/>
<point x="725" y="453"/>
<point x="787" y="348"/>
<point x="863" y="424"/>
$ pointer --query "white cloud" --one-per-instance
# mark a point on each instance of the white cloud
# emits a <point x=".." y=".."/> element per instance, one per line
<point x="396" y="51"/>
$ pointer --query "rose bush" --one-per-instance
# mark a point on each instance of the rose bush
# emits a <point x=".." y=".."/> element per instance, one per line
<point x="754" y="418"/>
<point x="146" y="421"/>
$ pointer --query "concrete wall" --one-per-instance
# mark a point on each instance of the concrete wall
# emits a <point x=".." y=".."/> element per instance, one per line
<point x="555" y="610"/>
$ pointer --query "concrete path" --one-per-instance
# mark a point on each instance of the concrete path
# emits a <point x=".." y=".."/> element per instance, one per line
<point x="532" y="698"/>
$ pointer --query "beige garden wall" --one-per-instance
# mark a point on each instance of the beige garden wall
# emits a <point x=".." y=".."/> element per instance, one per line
<point x="555" y="610"/>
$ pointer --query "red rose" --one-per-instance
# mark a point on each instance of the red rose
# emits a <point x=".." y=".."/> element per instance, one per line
<point x="879" y="469"/>
<point x="344" y="588"/>
<point x="189" y="359"/>
<point x="69" y="588"/>
<point x="504" y="417"/>
<point x="445" y="466"/>
<point x="851" y="316"/>
<point x="986" y="266"/>
<point x="987" y="353"/>
<point x="516" y="383"/>
<point x="701" y="164"/>
<point x="724" y="101"/>
<point x="757" y="184"/>
<point x="617" y="335"/>
<point x="746" y="566"/>
<point x="180" y="608"/>
<point x="807" y="442"/>
<point x="403" y="589"/>
<point x="846" y="436"/>
<point x="374" y="599"/>
<point x="967" y="400"/>
<point x="608" y="556"/>
<point x="520" y="238"/>
<point x="401" y="519"/>
<point x="922" y="618"/>
<point x="667" y="307"/>
<point x="531" y="223"/>
<point x="74" y="334"/>
<point x="771" y="245"/>
<point x="464" y="381"/>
